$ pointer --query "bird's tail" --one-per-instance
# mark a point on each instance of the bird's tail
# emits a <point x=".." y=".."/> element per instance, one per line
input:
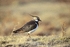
<point x="16" y="31"/>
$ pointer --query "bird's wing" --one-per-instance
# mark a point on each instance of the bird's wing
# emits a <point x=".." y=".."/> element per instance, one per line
<point x="27" y="27"/>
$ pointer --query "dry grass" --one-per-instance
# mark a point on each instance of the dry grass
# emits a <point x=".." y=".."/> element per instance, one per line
<point x="34" y="41"/>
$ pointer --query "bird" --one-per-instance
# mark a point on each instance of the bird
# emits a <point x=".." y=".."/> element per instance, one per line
<point x="30" y="26"/>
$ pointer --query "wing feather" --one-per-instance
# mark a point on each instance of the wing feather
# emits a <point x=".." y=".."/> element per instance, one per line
<point x="27" y="27"/>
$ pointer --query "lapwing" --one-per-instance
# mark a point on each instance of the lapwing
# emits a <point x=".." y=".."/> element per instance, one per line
<point x="30" y="26"/>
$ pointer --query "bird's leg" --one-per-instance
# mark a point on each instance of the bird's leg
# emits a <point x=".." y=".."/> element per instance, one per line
<point x="29" y="35"/>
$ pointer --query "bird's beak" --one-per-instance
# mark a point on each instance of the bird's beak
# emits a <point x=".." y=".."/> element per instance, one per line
<point x="40" y="20"/>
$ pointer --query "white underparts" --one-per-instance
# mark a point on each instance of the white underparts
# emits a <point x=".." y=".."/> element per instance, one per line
<point x="33" y="29"/>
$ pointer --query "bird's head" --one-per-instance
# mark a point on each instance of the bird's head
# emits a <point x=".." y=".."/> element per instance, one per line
<point x="36" y="18"/>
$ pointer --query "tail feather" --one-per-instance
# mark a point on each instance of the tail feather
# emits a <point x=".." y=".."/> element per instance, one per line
<point x="16" y="31"/>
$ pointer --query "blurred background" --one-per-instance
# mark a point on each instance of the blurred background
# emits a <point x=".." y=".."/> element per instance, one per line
<point x="54" y="14"/>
